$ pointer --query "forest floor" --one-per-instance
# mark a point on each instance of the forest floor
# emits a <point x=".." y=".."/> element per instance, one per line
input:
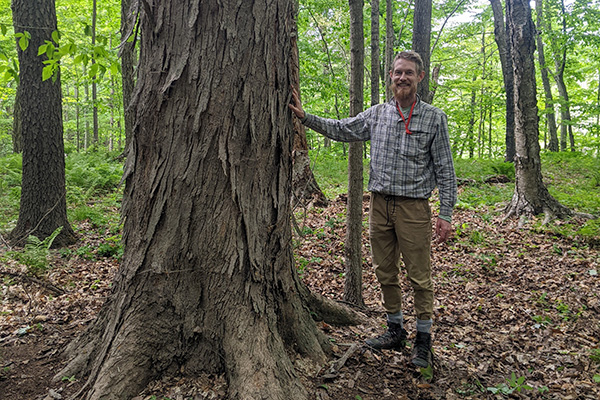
<point x="517" y="314"/>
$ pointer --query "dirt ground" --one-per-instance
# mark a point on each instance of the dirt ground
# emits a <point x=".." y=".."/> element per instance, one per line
<point x="516" y="316"/>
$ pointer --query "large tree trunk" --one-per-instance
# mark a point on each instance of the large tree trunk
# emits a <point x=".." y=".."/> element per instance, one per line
<point x="549" y="102"/>
<point x="353" y="244"/>
<point x="43" y="206"/>
<point x="17" y="132"/>
<point x="421" y="43"/>
<point x="531" y="196"/>
<point x="507" y="73"/>
<point x="207" y="282"/>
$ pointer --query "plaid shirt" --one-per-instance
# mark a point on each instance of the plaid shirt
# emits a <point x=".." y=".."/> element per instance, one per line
<point x="401" y="164"/>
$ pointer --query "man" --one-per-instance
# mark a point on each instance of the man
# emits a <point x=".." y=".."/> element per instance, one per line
<point x="410" y="156"/>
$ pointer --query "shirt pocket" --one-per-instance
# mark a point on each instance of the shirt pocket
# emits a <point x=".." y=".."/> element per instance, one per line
<point x="415" y="145"/>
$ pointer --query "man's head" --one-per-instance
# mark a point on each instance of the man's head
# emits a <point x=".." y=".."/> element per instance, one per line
<point x="406" y="73"/>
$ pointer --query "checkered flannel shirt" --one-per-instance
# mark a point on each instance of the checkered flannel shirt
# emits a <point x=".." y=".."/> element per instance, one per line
<point x="402" y="164"/>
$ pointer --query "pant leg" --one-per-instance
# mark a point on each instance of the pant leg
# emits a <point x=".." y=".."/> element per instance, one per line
<point x="385" y="252"/>
<point x="413" y="227"/>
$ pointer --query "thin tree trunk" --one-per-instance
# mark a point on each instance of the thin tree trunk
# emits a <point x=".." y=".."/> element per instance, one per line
<point x="389" y="47"/>
<point x="549" y="101"/>
<point x="375" y="53"/>
<point x="43" y="207"/>
<point x="507" y="73"/>
<point x="353" y="244"/>
<point x="421" y="43"/>
<point x="94" y="84"/>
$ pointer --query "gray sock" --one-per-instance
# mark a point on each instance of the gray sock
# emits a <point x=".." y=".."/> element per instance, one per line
<point x="424" y="325"/>
<point x="396" y="318"/>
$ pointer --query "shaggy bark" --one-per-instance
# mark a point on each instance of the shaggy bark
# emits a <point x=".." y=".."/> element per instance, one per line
<point x="207" y="282"/>
<point x="43" y="206"/>
<point x="531" y="196"/>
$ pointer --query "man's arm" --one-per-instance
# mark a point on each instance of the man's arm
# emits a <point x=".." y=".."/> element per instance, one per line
<point x="446" y="180"/>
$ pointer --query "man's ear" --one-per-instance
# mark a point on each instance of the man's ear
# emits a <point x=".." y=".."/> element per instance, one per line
<point x="421" y="76"/>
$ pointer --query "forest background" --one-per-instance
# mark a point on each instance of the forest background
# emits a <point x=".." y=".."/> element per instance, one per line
<point x="468" y="87"/>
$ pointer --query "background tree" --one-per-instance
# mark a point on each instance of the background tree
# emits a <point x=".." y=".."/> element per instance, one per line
<point x="507" y="73"/>
<point x="531" y="196"/>
<point x="421" y="43"/>
<point x="353" y="244"/>
<point x="210" y="163"/>
<point x="389" y="47"/>
<point x="375" y="53"/>
<point x="549" y="101"/>
<point x="43" y="206"/>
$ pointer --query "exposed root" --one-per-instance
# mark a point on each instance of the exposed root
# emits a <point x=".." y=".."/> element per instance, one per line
<point x="328" y="310"/>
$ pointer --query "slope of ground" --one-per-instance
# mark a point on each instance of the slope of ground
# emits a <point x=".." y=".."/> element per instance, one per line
<point x="516" y="315"/>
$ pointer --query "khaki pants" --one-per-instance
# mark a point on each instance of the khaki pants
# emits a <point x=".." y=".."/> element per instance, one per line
<point x="400" y="230"/>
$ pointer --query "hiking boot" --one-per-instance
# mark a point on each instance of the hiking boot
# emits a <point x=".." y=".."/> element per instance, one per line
<point x="422" y="354"/>
<point x="393" y="338"/>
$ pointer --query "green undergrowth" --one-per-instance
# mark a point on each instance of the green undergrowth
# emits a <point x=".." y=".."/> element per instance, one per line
<point x="93" y="192"/>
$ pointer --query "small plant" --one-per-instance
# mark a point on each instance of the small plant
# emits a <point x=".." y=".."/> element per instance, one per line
<point x="595" y="356"/>
<point x="542" y="321"/>
<point x="512" y="384"/>
<point x="35" y="254"/>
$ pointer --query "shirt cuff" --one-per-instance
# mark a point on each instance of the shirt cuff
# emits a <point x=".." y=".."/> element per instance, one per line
<point x="446" y="218"/>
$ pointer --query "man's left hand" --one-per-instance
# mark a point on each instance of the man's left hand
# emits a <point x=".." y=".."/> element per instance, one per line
<point x="443" y="229"/>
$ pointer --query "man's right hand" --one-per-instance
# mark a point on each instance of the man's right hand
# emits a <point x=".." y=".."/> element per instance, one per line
<point x="296" y="105"/>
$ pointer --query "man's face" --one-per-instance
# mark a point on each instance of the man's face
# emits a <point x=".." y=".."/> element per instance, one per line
<point x="405" y="80"/>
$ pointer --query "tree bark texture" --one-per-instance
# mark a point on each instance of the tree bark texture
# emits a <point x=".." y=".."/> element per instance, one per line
<point x="43" y="206"/>
<point x="17" y="132"/>
<point x="421" y="43"/>
<point x="531" y="196"/>
<point x="207" y="282"/>
<point x="353" y="244"/>
<point x="507" y="72"/>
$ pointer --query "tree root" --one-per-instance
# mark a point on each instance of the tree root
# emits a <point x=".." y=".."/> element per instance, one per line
<point x="328" y="310"/>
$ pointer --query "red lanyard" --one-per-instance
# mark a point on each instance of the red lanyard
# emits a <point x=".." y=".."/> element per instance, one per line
<point x="407" y="121"/>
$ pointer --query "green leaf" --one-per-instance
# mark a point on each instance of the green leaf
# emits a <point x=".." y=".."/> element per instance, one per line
<point x="23" y="42"/>
<point x="597" y="378"/>
<point x="55" y="36"/>
<point x="427" y="373"/>
<point x="3" y="28"/>
<point x="50" y="50"/>
<point x="93" y="70"/>
<point x="42" y="49"/>
<point x="47" y="72"/>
